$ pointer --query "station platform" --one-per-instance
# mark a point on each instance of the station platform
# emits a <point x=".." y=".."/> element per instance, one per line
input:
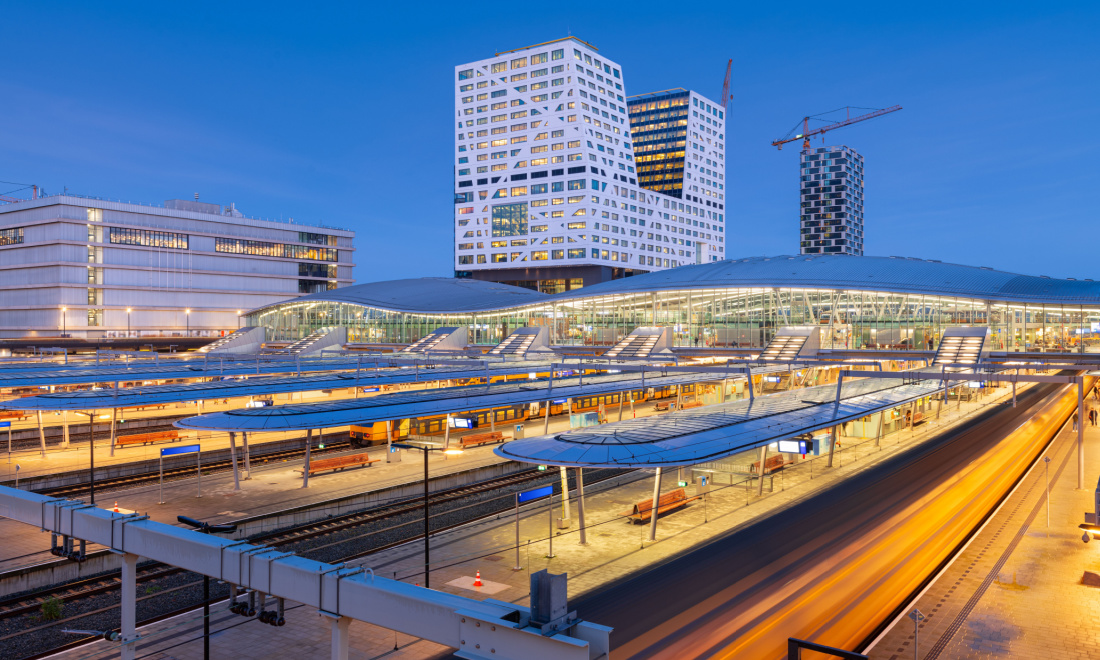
<point x="1020" y="589"/>
<point x="273" y="487"/>
<point x="615" y="549"/>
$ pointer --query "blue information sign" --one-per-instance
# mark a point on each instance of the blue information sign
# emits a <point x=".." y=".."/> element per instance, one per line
<point x="185" y="449"/>
<point x="535" y="494"/>
<point x="4" y="425"/>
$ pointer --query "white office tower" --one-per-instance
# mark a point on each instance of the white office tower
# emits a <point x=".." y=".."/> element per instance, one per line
<point x="832" y="201"/>
<point x="546" y="188"/>
<point x="91" y="268"/>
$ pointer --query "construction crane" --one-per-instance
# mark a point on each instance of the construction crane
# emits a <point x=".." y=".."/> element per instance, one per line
<point x="726" y="97"/>
<point x="807" y="133"/>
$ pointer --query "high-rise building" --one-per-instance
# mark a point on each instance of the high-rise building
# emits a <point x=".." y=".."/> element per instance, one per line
<point x="546" y="192"/>
<point x="680" y="150"/>
<point x="832" y="201"/>
<point x="92" y="268"/>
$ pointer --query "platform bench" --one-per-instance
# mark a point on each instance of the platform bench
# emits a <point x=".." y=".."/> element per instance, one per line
<point x="475" y="439"/>
<point x="643" y="510"/>
<point x="663" y="406"/>
<point x="340" y="463"/>
<point x="146" y="438"/>
<point x="692" y="404"/>
<point x="12" y="414"/>
<point x="771" y="464"/>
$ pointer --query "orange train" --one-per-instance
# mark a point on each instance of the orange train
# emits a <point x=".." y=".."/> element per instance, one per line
<point x="374" y="434"/>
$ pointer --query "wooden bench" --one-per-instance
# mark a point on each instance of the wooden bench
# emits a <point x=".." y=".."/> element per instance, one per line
<point x="771" y="464"/>
<point x="146" y="438"/>
<point x="475" y="439"/>
<point x="692" y="404"/>
<point x="12" y="414"/>
<point x="663" y="406"/>
<point x="643" y="510"/>
<point x="340" y="463"/>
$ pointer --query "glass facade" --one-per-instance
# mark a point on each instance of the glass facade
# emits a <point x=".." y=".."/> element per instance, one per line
<point x="510" y="220"/>
<point x="160" y="239"/>
<point x="265" y="249"/>
<point x="718" y="317"/>
<point x="11" y="236"/>
<point x="659" y="126"/>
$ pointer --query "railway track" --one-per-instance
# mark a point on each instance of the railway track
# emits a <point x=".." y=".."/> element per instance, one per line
<point x="127" y="481"/>
<point x="154" y="574"/>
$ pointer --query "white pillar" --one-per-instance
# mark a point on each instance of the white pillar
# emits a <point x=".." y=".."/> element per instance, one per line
<point x="389" y="439"/>
<point x="340" y="637"/>
<point x="114" y="428"/>
<point x="65" y="429"/>
<point x="305" y="467"/>
<point x="622" y="395"/>
<point x="546" y="420"/>
<point x="42" y="434"/>
<point x="247" y="462"/>
<point x="656" y="500"/>
<point x="1080" y="433"/>
<point x="832" y="445"/>
<point x="564" y="493"/>
<point x="233" y="458"/>
<point x="580" y="504"/>
<point x="492" y="419"/>
<point x="129" y="606"/>
<point x="763" y="460"/>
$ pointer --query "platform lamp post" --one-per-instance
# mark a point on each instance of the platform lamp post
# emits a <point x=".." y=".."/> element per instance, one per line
<point x="91" y="451"/>
<point x="188" y="314"/>
<point x="206" y="528"/>
<point x="128" y="310"/>
<point x="238" y="319"/>
<point x="425" y="450"/>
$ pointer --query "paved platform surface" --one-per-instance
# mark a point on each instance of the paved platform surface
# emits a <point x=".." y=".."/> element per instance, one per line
<point x="1017" y="590"/>
<point x="615" y="548"/>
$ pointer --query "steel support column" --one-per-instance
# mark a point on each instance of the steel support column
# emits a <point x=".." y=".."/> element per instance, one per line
<point x="247" y="462"/>
<point x="64" y="429"/>
<point x="565" y="493"/>
<point x="305" y="467"/>
<point x="1080" y="433"/>
<point x="233" y="459"/>
<point x="128" y="608"/>
<point x="832" y="446"/>
<point x="42" y="434"/>
<point x="656" y="500"/>
<point x="114" y="429"/>
<point x="760" y="473"/>
<point x="580" y="504"/>
<point x="340" y="637"/>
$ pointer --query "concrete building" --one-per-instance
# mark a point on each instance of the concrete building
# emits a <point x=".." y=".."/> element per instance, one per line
<point x="546" y="189"/>
<point x="680" y="151"/>
<point x="831" y="201"/>
<point x="91" y="268"/>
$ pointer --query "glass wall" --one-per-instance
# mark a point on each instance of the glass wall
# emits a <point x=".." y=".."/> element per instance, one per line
<point x="722" y="318"/>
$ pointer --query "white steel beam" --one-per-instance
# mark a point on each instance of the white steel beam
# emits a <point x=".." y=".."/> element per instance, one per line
<point x="478" y="629"/>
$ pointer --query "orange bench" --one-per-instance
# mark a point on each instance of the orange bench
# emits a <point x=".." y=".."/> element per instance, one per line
<point x="661" y="407"/>
<point x="12" y="414"/>
<point x="643" y="510"/>
<point x="693" y="404"/>
<point x="771" y="464"/>
<point x="475" y="439"/>
<point x="146" y="438"/>
<point x="340" y="463"/>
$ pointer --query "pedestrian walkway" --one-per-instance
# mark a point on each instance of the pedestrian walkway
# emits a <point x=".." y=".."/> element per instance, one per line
<point x="1020" y="589"/>
<point x="615" y="549"/>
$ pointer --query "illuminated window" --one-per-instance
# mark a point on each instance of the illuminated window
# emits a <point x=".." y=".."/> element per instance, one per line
<point x="510" y="219"/>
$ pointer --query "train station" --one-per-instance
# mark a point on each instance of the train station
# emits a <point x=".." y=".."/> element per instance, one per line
<point x="437" y="443"/>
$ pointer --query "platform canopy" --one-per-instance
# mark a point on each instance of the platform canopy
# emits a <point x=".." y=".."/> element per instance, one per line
<point x="713" y="432"/>
<point x="423" y="403"/>
<point x="236" y="387"/>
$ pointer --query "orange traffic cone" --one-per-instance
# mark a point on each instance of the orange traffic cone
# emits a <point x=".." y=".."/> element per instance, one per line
<point x="116" y="507"/>
<point x="477" y="580"/>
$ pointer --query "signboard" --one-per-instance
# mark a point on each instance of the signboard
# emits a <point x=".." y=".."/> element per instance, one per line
<point x="795" y="447"/>
<point x="4" y="425"/>
<point x="463" y="422"/>
<point x="183" y="449"/>
<point x="527" y="496"/>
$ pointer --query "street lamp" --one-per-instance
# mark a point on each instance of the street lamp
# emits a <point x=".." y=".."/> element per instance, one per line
<point x="425" y="449"/>
<point x="128" y="310"/>
<point x="64" y="321"/>
<point x="91" y="451"/>
<point x="206" y="528"/>
<point x="238" y="319"/>
<point x="188" y="321"/>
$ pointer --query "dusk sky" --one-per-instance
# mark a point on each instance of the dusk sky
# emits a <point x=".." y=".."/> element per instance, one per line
<point x="342" y="114"/>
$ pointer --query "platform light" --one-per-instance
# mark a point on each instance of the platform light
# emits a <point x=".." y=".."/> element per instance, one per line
<point x="452" y="452"/>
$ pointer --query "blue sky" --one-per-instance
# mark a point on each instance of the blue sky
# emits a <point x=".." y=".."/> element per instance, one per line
<point x="342" y="113"/>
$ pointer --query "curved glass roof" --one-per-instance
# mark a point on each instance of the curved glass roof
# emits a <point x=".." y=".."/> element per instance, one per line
<point x="907" y="275"/>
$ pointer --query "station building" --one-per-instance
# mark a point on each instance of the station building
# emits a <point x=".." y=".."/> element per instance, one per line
<point x="858" y="301"/>
<point x="91" y="268"/>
